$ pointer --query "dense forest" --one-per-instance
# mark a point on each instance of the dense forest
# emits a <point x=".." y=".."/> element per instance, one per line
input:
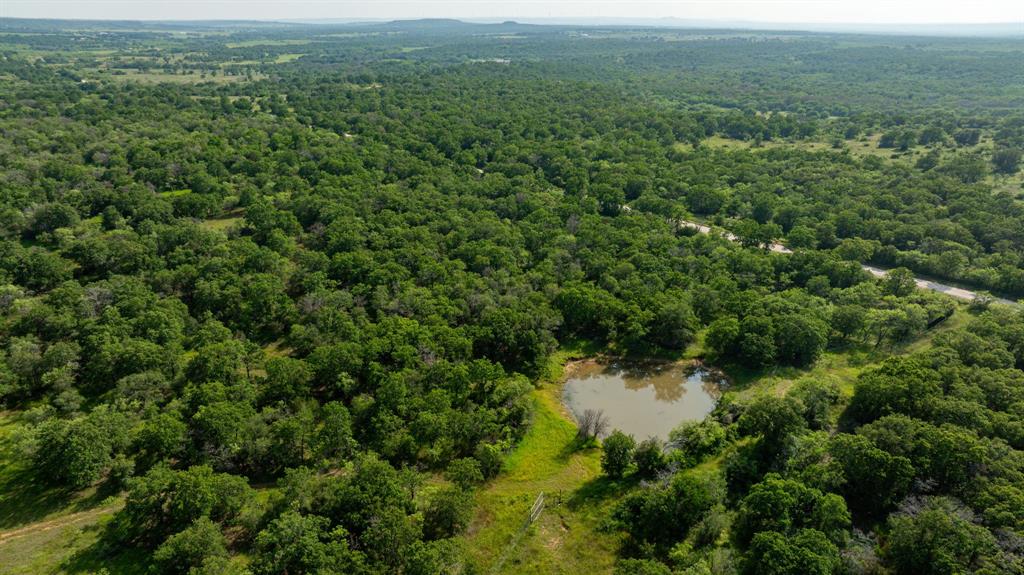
<point x="283" y="299"/>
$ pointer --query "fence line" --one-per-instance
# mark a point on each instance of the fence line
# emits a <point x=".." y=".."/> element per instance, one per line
<point x="535" y="511"/>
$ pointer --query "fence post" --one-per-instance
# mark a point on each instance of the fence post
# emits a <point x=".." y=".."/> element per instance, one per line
<point x="535" y="510"/>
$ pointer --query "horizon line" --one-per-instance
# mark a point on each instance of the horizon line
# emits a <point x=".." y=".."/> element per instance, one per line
<point x="523" y="20"/>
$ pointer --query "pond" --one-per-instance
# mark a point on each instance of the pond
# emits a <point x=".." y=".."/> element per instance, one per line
<point x="643" y="399"/>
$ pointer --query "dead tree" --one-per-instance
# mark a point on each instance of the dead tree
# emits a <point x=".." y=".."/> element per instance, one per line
<point x="591" y="424"/>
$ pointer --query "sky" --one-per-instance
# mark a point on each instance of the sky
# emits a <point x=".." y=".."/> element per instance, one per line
<point x="767" y="11"/>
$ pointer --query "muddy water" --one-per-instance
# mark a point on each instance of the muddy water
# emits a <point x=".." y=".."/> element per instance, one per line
<point x="643" y="399"/>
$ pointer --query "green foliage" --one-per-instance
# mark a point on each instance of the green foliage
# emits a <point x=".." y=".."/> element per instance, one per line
<point x="650" y="458"/>
<point x="295" y="543"/>
<point x="873" y="480"/>
<point x="807" y="552"/>
<point x="490" y="457"/>
<point x="164" y="502"/>
<point x="222" y="267"/>
<point x="191" y="549"/>
<point x="466" y="473"/>
<point x="800" y="340"/>
<point x="660" y="515"/>
<point x="448" y="513"/>
<point x="899" y="385"/>
<point x="786" y="506"/>
<point x="773" y="419"/>
<point x="697" y="440"/>
<point x="617" y="453"/>
<point x="1006" y="161"/>
<point x="641" y="567"/>
<point x="76" y="453"/>
<point x="936" y="540"/>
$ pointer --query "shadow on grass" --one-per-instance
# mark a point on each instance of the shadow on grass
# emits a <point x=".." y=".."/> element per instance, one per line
<point x="576" y="445"/>
<point x="105" y="557"/>
<point x="26" y="499"/>
<point x="600" y="490"/>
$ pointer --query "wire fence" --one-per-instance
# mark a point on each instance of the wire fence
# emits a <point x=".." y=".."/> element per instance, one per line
<point x="535" y="511"/>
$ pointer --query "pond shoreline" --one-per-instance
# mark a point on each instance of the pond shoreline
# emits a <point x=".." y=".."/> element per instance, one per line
<point x="641" y="396"/>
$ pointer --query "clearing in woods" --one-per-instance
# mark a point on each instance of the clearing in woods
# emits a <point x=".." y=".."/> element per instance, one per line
<point x="566" y="538"/>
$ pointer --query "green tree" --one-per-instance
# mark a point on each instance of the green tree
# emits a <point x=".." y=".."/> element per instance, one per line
<point x="466" y="473"/>
<point x="617" y="453"/>
<point x="294" y="543"/>
<point x="287" y="380"/>
<point x="164" y="502"/>
<point x="806" y="553"/>
<point x="188" y="550"/>
<point x="674" y="323"/>
<point x="723" y="335"/>
<point x="660" y="515"/>
<point x="874" y="480"/>
<point x="786" y="506"/>
<point x="936" y="541"/>
<point x="899" y="282"/>
<point x="1006" y="160"/>
<point x="773" y="419"/>
<point x="76" y="453"/>
<point x="650" y="458"/>
<point x="698" y="439"/>
<point x="448" y="513"/>
<point x="800" y="339"/>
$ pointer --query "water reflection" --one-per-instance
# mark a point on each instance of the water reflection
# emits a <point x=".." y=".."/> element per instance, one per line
<point x="644" y="399"/>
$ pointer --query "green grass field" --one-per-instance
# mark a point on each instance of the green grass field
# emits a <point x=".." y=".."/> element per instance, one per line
<point x="49" y="530"/>
<point x="567" y="538"/>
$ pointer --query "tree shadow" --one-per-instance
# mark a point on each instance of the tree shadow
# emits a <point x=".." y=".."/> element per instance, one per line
<point x="600" y="490"/>
<point x="106" y="557"/>
<point x="576" y="445"/>
<point x="26" y="499"/>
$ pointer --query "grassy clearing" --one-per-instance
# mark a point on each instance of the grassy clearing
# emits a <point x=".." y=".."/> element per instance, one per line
<point x="863" y="147"/>
<point x="226" y="221"/>
<point x="67" y="545"/>
<point x="284" y="58"/>
<point x="570" y="536"/>
<point x="839" y="366"/>
<point x="868" y="146"/>
<point x="567" y="538"/>
<point x="157" y="77"/>
<point x="254" y="43"/>
<point x="49" y="530"/>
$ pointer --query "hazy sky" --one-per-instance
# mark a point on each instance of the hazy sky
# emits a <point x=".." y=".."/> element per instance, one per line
<point x="802" y="11"/>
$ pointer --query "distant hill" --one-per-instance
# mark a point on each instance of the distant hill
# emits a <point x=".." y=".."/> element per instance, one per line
<point x="30" y="24"/>
<point x="443" y="25"/>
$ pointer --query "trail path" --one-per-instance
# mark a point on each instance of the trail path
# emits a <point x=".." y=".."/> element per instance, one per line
<point x="57" y="523"/>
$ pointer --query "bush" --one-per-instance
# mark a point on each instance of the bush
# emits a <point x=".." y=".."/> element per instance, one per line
<point x="295" y="543"/>
<point x="641" y="567"/>
<point x="491" y="459"/>
<point x="190" y="548"/>
<point x="696" y="440"/>
<point x="617" y="454"/>
<point x="658" y="516"/>
<point x="165" y="501"/>
<point x="649" y="458"/>
<point x="466" y="473"/>
<point x="448" y="513"/>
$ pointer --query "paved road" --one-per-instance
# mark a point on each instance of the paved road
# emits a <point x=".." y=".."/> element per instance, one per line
<point x="959" y="293"/>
